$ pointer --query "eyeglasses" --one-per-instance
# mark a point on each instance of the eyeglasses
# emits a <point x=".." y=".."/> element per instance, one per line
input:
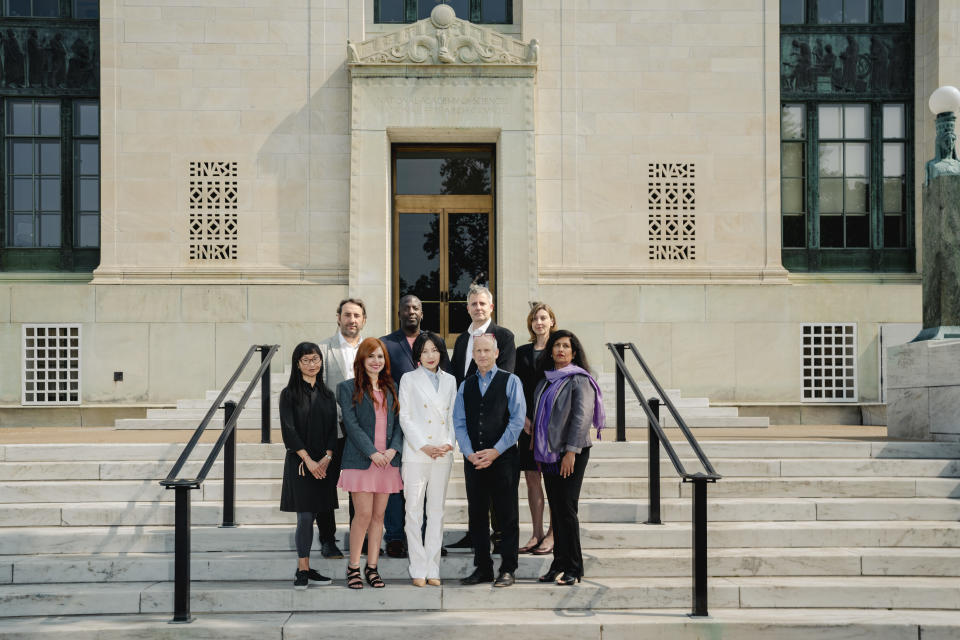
<point x="315" y="361"/>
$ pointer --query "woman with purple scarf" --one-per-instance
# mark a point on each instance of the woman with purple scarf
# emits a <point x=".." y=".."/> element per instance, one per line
<point x="568" y="402"/>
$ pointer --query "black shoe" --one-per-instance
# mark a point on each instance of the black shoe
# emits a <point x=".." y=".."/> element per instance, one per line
<point x="395" y="549"/>
<point x="443" y="552"/>
<point x="549" y="576"/>
<point x="301" y="580"/>
<point x="463" y="543"/>
<point x="477" y="577"/>
<point x="568" y="579"/>
<point x="316" y="576"/>
<point x="331" y="551"/>
<point x="505" y="579"/>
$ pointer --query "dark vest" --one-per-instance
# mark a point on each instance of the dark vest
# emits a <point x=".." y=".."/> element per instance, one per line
<point x="488" y="414"/>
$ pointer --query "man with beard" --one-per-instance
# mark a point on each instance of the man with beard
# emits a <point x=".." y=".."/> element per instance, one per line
<point x="400" y="349"/>
<point x="339" y="351"/>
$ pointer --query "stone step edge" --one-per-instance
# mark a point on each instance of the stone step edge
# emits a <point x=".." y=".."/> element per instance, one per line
<point x="639" y="624"/>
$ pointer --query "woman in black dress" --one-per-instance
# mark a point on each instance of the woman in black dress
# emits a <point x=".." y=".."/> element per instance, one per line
<point x="541" y="322"/>
<point x="308" y="422"/>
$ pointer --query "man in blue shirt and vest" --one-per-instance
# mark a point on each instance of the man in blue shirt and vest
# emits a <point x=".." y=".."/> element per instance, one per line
<point x="488" y="416"/>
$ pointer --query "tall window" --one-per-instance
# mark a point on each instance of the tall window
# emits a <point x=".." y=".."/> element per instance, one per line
<point x="478" y="11"/>
<point x="33" y="173"/>
<point x="49" y="135"/>
<point x="846" y="92"/>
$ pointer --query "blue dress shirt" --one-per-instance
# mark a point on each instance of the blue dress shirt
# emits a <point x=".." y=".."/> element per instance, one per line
<point x="515" y="402"/>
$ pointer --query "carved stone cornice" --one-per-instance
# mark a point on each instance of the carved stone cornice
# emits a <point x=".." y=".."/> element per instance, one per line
<point x="442" y="40"/>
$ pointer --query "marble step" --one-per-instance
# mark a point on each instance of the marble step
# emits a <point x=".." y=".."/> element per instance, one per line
<point x="591" y="510"/>
<point x="16" y="492"/>
<point x="837" y="533"/>
<point x="597" y="467"/>
<point x="251" y="420"/>
<point x="599" y="563"/>
<point x="771" y="449"/>
<point x="622" y="624"/>
<point x="147" y="490"/>
<point x="686" y="406"/>
<point x="594" y="593"/>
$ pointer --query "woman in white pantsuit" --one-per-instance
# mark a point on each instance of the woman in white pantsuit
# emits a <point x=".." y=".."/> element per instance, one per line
<point x="426" y="418"/>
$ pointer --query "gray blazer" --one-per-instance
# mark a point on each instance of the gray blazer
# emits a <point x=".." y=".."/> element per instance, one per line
<point x="359" y="423"/>
<point x="572" y="415"/>
<point x="334" y="371"/>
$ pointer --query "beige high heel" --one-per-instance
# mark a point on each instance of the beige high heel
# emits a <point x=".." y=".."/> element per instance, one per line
<point x="434" y="582"/>
<point x="419" y="582"/>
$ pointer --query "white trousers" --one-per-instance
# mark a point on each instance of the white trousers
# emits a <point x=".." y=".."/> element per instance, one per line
<point x="425" y="481"/>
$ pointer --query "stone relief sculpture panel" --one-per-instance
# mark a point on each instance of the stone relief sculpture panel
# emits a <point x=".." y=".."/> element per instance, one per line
<point x="54" y="59"/>
<point x="837" y="64"/>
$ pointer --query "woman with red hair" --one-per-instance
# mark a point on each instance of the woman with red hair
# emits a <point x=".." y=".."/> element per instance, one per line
<point x="371" y="457"/>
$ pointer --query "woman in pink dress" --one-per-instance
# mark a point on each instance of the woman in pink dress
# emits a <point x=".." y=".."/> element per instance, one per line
<point x="371" y="457"/>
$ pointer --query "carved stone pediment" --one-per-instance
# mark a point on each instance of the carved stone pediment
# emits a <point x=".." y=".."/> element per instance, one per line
<point x="442" y="39"/>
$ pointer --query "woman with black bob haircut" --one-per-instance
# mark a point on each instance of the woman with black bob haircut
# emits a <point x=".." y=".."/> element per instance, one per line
<point x="568" y="401"/>
<point x="308" y="423"/>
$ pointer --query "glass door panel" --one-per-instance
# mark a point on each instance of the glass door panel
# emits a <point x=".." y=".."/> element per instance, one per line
<point x="418" y="262"/>
<point x="468" y="250"/>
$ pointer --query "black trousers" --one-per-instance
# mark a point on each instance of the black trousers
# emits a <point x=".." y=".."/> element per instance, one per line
<point x="497" y="484"/>
<point x="327" y="520"/>
<point x="563" y="494"/>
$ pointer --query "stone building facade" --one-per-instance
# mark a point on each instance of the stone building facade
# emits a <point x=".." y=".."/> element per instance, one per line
<point x="631" y="171"/>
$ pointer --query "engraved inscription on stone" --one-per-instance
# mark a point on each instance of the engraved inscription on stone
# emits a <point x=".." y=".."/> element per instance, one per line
<point x="213" y="200"/>
<point x="671" y="200"/>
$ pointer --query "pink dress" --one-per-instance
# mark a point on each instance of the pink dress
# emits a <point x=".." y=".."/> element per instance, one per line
<point x="374" y="479"/>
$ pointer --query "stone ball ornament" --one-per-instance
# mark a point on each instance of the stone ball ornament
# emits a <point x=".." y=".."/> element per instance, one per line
<point x="442" y="16"/>
<point x="946" y="99"/>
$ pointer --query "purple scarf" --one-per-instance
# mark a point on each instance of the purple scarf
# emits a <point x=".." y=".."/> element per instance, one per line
<point x="542" y="453"/>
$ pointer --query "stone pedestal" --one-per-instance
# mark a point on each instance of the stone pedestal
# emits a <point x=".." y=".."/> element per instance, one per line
<point x="923" y="390"/>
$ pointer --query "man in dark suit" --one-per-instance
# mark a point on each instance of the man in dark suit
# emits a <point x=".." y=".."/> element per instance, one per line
<point x="400" y="351"/>
<point x="480" y="308"/>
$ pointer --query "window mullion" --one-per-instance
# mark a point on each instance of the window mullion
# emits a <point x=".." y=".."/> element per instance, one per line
<point x="66" y="186"/>
<point x="813" y="178"/>
<point x="410" y="7"/>
<point x="876" y="175"/>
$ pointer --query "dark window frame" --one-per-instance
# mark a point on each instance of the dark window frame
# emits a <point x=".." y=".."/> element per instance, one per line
<point x="410" y="12"/>
<point x="877" y="257"/>
<point x="68" y="256"/>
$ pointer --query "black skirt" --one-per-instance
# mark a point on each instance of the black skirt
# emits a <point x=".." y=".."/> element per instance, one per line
<point x="306" y="493"/>
<point x="527" y="463"/>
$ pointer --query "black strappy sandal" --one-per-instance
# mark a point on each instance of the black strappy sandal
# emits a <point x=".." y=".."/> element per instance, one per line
<point x="354" y="581"/>
<point x="373" y="578"/>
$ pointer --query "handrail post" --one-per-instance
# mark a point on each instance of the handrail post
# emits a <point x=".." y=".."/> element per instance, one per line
<point x="621" y="397"/>
<point x="181" y="562"/>
<point x="699" y="546"/>
<point x="653" y="462"/>
<point x="265" y="397"/>
<point x="229" y="469"/>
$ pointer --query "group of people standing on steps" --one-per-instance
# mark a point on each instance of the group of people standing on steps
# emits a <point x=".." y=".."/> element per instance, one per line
<point x="381" y="419"/>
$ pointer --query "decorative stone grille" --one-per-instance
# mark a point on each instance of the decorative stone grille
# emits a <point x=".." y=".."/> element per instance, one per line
<point x="829" y="362"/>
<point x="213" y="200"/>
<point x="671" y="199"/>
<point x="51" y="364"/>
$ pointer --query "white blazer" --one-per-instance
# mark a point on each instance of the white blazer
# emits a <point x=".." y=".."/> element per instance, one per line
<point x="426" y="414"/>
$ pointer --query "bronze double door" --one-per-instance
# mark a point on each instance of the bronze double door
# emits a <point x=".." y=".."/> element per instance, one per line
<point x="442" y="230"/>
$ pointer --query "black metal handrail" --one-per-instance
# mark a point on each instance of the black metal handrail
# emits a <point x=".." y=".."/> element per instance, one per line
<point x="228" y="443"/>
<point x="656" y="436"/>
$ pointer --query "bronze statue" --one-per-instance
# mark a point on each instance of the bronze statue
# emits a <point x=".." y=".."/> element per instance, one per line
<point x="945" y="162"/>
